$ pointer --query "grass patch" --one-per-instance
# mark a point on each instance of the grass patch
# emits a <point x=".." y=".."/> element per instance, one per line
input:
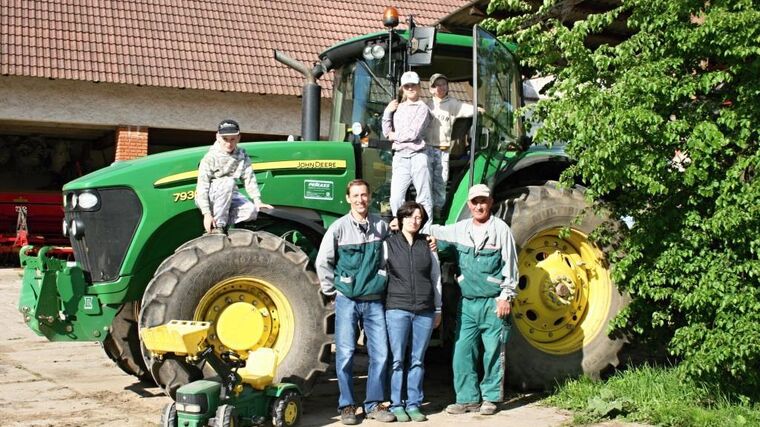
<point x="657" y="396"/>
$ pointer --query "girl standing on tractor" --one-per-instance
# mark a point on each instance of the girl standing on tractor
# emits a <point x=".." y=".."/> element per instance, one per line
<point x="404" y="123"/>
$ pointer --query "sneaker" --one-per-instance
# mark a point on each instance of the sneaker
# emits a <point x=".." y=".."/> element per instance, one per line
<point x="348" y="415"/>
<point x="400" y="415"/>
<point x="461" y="408"/>
<point x="217" y="230"/>
<point x="488" y="408"/>
<point x="416" y="415"/>
<point x="381" y="414"/>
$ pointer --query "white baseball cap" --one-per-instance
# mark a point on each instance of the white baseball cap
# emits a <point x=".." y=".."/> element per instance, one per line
<point x="410" y="77"/>
<point x="478" y="190"/>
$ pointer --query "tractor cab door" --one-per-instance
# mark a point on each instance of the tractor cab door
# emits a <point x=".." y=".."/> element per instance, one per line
<point x="497" y="95"/>
<point x="361" y="91"/>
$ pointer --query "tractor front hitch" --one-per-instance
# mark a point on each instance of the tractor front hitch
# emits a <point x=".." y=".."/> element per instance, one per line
<point x="53" y="300"/>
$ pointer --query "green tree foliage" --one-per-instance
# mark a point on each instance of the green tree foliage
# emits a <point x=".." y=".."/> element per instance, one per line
<point x="684" y="85"/>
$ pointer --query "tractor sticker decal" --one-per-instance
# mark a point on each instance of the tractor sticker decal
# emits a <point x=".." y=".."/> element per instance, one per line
<point x="318" y="190"/>
<point x="260" y="167"/>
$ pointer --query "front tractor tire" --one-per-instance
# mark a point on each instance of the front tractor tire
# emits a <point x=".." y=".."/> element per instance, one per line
<point x="566" y="297"/>
<point x="169" y="415"/>
<point x="122" y="345"/>
<point x="286" y="410"/>
<point x="256" y="290"/>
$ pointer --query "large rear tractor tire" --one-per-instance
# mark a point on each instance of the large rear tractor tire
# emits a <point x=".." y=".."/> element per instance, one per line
<point x="566" y="297"/>
<point x="256" y="290"/>
<point x="122" y="345"/>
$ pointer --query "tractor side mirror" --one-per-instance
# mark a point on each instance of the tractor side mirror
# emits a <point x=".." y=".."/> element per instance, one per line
<point x="421" y="46"/>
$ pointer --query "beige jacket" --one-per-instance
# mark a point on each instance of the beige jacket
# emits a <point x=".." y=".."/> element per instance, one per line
<point x="444" y="112"/>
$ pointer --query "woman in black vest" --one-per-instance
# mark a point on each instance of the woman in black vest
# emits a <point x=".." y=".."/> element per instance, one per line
<point x="413" y="307"/>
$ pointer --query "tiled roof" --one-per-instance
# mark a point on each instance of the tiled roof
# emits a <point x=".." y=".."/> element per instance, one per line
<point x="221" y="45"/>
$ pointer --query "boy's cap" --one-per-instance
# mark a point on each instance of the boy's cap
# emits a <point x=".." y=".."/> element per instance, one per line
<point x="479" y="190"/>
<point x="437" y="76"/>
<point x="410" y="78"/>
<point x="228" y="127"/>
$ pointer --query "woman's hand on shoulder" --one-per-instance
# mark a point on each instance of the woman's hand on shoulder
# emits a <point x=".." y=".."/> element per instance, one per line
<point x="432" y="243"/>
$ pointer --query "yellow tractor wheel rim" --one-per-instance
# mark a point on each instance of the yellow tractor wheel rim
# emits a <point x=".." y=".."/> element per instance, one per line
<point x="247" y="313"/>
<point x="564" y="291"/>
<point x="291" y="413"/>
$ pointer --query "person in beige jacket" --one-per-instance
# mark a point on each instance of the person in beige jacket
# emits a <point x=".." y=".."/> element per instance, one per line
<point x="444" y="110"/>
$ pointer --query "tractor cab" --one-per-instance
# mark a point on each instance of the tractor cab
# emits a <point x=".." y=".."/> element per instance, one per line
<point x="481" y="71"/>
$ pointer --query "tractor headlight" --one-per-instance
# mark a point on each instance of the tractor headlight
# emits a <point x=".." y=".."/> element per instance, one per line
<point x="88" y="200"/>
<point x="367" y="53"/>
<point x="193" y="408"/>
<point x="77" y="228"/>
<point x="65" y="228"/>
<point x="378" y="52"/>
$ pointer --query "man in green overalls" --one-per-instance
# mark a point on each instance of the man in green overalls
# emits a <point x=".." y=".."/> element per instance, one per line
<point x="485" y="250"/>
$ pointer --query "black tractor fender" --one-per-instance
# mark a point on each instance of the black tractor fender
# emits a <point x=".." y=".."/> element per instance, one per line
<point x="530" y="170"/>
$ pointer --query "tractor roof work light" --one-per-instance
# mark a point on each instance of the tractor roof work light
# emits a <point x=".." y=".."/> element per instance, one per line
<point x="378" y="52"/>
<point x="375" y="51"/>
<point x="367" y="53"/>
<point x="390" y="17"/>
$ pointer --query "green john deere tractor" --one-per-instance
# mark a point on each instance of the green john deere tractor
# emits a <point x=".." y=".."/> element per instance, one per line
<point x="141" y="258"/>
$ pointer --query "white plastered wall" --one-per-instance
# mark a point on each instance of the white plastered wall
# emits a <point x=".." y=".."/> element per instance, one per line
<point x="81" y="103"/>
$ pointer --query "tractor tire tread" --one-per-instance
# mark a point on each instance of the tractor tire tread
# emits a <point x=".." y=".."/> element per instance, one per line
<point x="122" y="344"/>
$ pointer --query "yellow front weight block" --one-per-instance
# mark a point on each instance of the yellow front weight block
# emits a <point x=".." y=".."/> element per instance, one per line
<point x="564" y="292"/>
<point x="180" y="337"/>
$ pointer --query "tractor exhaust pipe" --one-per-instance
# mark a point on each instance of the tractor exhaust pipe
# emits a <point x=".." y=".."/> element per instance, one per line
<point x="310" y="102"/>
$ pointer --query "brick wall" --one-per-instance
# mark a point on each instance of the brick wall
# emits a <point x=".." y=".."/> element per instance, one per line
<point x="131" y="142"/>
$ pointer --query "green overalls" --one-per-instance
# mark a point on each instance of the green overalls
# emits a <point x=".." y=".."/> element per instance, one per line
<point x="489" y="271"/>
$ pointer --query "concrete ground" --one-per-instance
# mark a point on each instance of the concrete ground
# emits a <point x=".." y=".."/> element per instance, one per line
<point x="75" y="384"/>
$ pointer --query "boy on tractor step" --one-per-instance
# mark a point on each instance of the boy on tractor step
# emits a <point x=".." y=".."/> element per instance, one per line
<point x="216" y="193"/>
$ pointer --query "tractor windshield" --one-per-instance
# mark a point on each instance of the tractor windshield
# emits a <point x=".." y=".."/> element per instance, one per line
<point x="362" y="92"/>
